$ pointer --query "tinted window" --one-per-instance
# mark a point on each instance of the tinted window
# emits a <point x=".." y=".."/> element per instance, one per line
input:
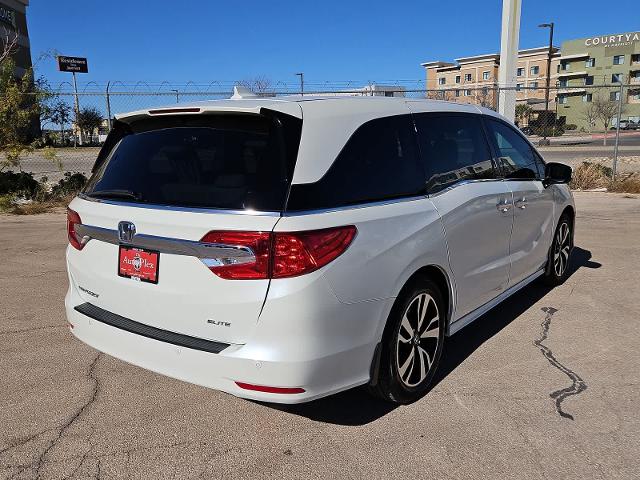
<point x="453" y="148"/>
<point x="208" y="161"/>
<point x="515" y="155"/>
<point x="378" y="162"/>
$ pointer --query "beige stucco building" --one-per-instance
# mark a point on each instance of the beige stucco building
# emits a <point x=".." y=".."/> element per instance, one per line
<point x="475" y="79"/>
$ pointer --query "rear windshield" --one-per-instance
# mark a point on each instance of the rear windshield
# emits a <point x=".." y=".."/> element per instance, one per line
<point x="232" y="161"/>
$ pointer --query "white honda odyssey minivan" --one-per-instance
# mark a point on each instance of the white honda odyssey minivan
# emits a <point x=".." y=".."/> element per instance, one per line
<point x="284" y="249"/>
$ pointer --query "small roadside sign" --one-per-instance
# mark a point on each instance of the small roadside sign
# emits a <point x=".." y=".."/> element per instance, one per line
<point x="73" y="64"/>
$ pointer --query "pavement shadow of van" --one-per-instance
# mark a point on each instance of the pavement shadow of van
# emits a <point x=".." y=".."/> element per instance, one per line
<point x="357" y="407"/>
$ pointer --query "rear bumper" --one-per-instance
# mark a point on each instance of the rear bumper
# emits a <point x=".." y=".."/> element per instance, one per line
<point x="261" y="361"/>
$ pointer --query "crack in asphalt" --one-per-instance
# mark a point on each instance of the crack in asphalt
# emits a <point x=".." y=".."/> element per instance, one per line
<point x="578" y="385"/>
<point x="91" y="375"/>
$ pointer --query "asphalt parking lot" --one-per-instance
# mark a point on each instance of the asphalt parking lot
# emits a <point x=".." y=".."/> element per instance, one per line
<point x="546" y="385"/>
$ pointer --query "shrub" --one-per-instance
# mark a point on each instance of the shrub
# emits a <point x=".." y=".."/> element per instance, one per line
<point x="71" y="184"/>
<point x="587" y="176"/>
<point x="18" y="184"/>
<point x="627" y="184"/>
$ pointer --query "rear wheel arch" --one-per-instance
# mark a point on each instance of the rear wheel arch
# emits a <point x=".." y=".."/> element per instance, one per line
<point x="438" y="276"/>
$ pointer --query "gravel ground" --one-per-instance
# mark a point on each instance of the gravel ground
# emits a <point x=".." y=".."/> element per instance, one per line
<point x="545" y="385"/>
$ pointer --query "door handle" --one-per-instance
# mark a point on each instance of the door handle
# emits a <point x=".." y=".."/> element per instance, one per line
<point x="522" y="203"/>
<point x="504" y="206"/>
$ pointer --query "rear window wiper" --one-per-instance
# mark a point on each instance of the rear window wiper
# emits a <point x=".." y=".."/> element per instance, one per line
<point x="116" y="194"/>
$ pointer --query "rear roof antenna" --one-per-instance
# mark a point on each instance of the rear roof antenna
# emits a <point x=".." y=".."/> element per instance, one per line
<point x="242" y="92"/>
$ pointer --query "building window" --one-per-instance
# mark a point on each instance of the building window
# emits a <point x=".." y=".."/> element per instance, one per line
<point x="442" y="81"/>
<point x="535" y="70"/>
<point x="520" y="71"/>
<point x="467" y="77"/>
<point x="635" y="58"/>
<point x="533" y="85"/>
<point x="564" y="66"/>
<point x="485" y="75"/>
<point x="616" y="77"/>
<point x="591" y="62"/>
<point x="457" y="92"/>
<point x="519" y="87"/>
<point x="467" y="93"/>
<point x="587" y="97"/>
<point x="563" y="83"/>
<point x="588" y="80"/>
<point x="457" y="78"/>
<point x="562" y="99"/>
<point x="614" y="96"/>
<point x="618" y="59"/>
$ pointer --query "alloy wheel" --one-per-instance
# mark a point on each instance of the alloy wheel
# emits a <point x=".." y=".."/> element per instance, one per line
<point x="417" y="341"/>
<point x="561" y="249"/>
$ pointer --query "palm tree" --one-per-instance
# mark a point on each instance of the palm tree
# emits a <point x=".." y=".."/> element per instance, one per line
<point x="523" y="112"/>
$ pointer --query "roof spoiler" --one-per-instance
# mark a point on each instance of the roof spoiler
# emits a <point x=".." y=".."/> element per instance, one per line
<point x="240" y="92"/>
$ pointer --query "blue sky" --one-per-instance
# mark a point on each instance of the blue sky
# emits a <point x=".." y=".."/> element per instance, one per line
<point x="201" y="41"/>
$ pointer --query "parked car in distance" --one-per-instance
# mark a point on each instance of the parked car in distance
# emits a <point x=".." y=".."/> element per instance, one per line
<point x="284" y="249"/>
<point x="527" y="130"/>
<point x="627" y="125"/>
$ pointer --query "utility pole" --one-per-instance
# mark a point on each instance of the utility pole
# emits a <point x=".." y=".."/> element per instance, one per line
<point x="550" y="26"/>
<point x="615" y="150"/>
<point x="508" y="57"/>
<point x="301" y="75"/>
<point x="108" y="106"/>
<point x="77" y="109"/>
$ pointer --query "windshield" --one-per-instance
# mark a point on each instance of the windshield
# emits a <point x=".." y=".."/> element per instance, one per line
<point x="235" y="161"/>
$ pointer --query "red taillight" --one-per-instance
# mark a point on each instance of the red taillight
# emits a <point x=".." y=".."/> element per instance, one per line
<point x="282" y="254"/>
<point x="73" y="219"/>
<point x="297" y="253"/>
<point x="258" y="242"/>
<point x="263" y="388"/>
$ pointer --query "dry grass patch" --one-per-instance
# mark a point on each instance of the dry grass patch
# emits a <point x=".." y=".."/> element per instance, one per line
<point x="589" y="176"/>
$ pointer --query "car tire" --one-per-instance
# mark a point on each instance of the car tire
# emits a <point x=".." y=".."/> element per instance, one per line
<point x="412" y="344"/>
<point x="559" y="253"/>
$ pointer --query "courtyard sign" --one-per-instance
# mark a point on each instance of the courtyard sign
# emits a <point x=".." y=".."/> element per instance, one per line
<point x="620" y="40"/>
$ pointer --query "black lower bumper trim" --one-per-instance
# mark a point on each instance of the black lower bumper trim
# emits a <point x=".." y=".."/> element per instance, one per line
<point x="148" y="331"/>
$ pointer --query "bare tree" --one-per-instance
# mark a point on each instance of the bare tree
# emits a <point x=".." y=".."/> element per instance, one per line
<point x="485" y="97"/>
<point x="606" y="109"/>
<point x="590" y="115"/>
<point x="9" y="45"/>
<point x="260" y="85"/>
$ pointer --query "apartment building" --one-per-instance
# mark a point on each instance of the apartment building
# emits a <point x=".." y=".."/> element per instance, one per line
<point x="13" y="28"/>
<point x="592" y="68"/>
<point x="475" y="79"/>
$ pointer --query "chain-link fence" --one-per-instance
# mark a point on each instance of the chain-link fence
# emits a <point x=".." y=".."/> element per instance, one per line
<point x="594" y="123"/>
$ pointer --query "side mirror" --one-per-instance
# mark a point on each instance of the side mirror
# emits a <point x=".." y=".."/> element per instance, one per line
<point x="555" y="173"/>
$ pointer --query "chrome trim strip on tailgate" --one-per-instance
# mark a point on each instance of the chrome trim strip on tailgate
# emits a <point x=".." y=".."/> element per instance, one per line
<point x="234" y="253"/>
<point x="148" y="331"/>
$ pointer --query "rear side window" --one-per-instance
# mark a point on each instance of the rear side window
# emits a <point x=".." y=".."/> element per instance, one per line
<point x="379" y="162"/>
<point x="515" y="155"/>
<point x="453" y="148"/>
<point x="231" y="161"/>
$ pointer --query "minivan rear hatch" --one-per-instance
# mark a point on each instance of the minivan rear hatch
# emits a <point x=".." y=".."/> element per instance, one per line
<point x="160" y="187"/>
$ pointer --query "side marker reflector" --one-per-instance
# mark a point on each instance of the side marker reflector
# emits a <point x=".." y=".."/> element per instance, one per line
<point x="265" y="389"/>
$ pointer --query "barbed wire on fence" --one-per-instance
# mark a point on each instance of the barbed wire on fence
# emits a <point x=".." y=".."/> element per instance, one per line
<point x="571" y="123"/>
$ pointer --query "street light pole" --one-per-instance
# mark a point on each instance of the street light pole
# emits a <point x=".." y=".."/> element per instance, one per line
<point x="301" y="75"/>
<point x="549" y="55"/>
